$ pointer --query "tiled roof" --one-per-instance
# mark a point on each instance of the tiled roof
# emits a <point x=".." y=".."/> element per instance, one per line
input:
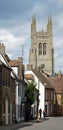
<point x="7" y="57"/>
<point x="8" y="65"/>
<point x="14" y="63"/>
<point x="11" y="63"/>
<point x="2" y="64"/>
<point x="17" y="63"/>
<point x="29" y="77"/>
<point x="57" y="83"/>
<point x="43" y="79"/>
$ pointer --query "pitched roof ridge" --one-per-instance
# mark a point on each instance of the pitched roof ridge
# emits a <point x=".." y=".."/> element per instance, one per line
<point x="8" y="64"/>
<point x="5" y="59"/>
<point x="43" y="79"/>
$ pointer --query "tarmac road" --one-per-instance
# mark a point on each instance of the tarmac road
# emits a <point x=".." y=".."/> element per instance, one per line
<point x="54" y="123"/>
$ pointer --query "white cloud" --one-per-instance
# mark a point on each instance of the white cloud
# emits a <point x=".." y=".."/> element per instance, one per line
<point x="11" y="42"/>
<point x="58" y="64"/>
<point x="58" y="43"/>
<point x="60" y="3"/>
<point x="38" y="8"/>
<point x="58" y="19"/>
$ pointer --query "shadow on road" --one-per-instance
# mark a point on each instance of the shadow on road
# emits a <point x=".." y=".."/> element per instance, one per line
<point x="21" y="126"/>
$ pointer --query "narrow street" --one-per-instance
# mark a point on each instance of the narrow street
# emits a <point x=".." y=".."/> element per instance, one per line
<point x="47" y="124"/>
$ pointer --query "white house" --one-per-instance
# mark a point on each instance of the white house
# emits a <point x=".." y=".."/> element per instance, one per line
<point x="17" y="66"/>
<point x="45" y="91"/>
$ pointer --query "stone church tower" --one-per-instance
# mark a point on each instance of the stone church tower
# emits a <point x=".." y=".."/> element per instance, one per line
<point x="41" y="51"/>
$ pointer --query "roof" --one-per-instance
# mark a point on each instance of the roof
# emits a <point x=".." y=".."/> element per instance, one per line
<point x="2" y="64"/>
<point x="9" y="62"/>
<point x="43" y="79"/>
<point x="8" y="65"/>
<point x="14" y="63"/>
<point x="29" y="77"/>
<point x="7" y="57"/>
<point x="57" y="83"/>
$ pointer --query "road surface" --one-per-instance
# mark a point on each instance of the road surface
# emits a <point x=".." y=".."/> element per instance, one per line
<point x="54" y="123"/>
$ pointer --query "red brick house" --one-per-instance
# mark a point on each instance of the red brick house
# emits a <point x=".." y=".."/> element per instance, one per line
<point x="57" y="83"/>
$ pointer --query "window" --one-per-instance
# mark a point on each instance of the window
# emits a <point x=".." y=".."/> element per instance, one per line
<point x="51" y="95"/>
<point x="44" y="48"/>
<point x="43" y="66"/>
<point x="3" y="106"/>
<point x="46" y="95"/>
<point x="35" y="51"/>
<point x="32" y="50"/>
<point x="40" y="48"/>
<point x="8" y="106"/>
<point x="51" y="109"/>
<point x="54" y="99"/>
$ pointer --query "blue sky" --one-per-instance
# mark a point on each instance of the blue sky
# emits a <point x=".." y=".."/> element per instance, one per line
<point x="15" y="26"/>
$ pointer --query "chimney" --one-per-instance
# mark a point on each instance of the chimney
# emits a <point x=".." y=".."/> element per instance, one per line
<point x="29" y="67"/>
<point x="2" y="48"/>
<point x="20" y="59"/>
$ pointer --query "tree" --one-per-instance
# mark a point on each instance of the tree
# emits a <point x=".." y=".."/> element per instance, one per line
<point x="29" y="92"/>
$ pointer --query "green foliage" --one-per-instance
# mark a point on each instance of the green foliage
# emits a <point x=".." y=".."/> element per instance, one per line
<point x="29" y="93"/>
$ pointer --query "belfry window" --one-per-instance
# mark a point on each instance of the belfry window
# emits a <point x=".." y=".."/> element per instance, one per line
<point x="40" y="48"/>
<point x="44" y="48"/>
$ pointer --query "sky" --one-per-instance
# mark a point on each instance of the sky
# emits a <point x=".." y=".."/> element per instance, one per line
<point x="15" y="26"/>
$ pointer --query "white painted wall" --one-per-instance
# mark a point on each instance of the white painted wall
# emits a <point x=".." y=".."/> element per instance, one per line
<point x="41" y="88"/>
<point x="15" y="70"/>
<point x="18" y="96"/>
<point x="41" y="96"/>
<point x="17" y="102"/>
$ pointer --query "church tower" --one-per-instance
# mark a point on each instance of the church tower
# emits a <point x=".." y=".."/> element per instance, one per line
<point x="41" y="51"/>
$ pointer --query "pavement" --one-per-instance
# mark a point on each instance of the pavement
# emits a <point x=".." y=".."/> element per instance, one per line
<point x="18" y="125"/>
<point x="14" y="126"/>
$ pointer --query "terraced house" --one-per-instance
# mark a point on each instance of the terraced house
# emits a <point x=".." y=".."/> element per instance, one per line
<point x="7" y="90"/>
<point x="12" y="90"/>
